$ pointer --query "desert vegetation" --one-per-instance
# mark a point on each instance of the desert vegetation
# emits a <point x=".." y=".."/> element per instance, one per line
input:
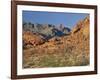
<point x="45" y="45"/>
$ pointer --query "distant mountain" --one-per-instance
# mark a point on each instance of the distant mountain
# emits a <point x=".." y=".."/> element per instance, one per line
<point x="46" y="30"/>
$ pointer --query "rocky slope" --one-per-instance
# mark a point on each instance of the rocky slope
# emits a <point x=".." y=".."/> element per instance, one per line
<point x="32" y="39"/>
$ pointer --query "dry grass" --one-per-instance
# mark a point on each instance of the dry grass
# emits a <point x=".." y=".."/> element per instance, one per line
<point x="36" y="58"/>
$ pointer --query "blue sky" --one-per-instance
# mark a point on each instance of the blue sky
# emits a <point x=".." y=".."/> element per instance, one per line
<point x="56" y="18"/>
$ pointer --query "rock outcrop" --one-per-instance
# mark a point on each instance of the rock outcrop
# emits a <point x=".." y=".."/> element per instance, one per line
<point x="30" y="39"/>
